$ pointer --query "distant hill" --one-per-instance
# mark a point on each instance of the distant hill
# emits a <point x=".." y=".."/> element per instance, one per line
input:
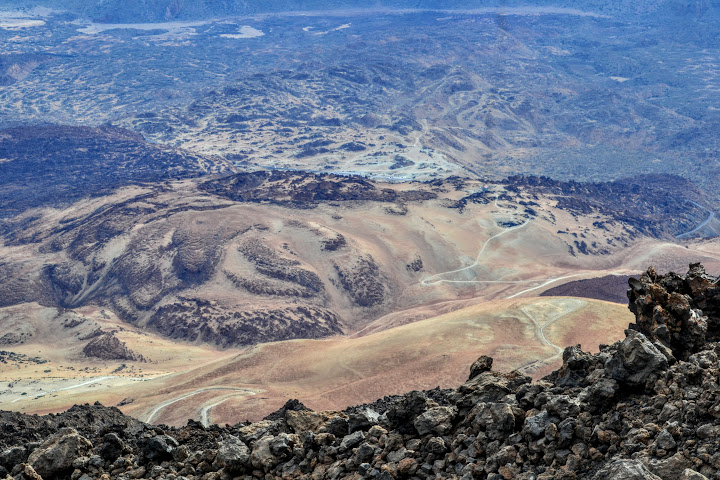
<point x="131" y="11"/>
<point x="612" y="288"/>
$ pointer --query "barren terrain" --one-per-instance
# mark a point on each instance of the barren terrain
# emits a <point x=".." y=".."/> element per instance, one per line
<point x="399" y="95"/>
<point x="181" y="381"/>
<point x="158" y="294"/>
<point x="203" y="217"/>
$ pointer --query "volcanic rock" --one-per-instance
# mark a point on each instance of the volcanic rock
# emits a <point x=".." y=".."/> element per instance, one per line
<point x="482" y="364"/>
<point x="157" y="448"/>
<point x="626" y="470"/>
<point x="639" y="409"/>
<point x="55" y="457"/>
<point x="680" y="312"/>
<point x="108" y="347"/>
<point x="637" y="362"/>
<point x="233" y="455"/>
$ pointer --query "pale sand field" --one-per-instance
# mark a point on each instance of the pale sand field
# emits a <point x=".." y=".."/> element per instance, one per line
<point x="192" y="381"/>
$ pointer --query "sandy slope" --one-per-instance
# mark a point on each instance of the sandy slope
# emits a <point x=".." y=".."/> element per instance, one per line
<point x="184" y="381"/>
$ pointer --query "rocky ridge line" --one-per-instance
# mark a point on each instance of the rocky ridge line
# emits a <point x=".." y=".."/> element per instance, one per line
<point x="644" y="408"/>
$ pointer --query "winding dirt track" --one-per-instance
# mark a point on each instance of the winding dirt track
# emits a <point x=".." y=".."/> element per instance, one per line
<point x="699" y="227"/>
<point x="153" y="413"/>
<point x="89" y="382"/>
<point x="429" y="281"/>
<point x="205" y="411"/>
<point x="540" y="331"/>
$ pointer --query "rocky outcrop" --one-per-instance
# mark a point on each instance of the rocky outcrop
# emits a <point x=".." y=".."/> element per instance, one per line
<point x="57" y="454"/>
<point x="195" y="319"/>
<point x="657" y="208"/>
<point x="305" y="190"/>
<point x="42" y="164"/>
<point x="363" y="282"/>
<point x="637" y="410"/>
<point x="107" y="346"/>
<point x="681" y="313"/>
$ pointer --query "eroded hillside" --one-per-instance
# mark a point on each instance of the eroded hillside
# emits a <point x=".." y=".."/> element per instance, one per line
<point x="643" y="407"/>
<point x="257" y="257"/>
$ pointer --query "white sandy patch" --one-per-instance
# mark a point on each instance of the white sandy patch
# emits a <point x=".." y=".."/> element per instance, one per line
<point x="13" y="20"/>
<point x="559" y="52"/>
<point x="173" y="31"/>
<point x="341" y="27"/>
<point x="528" y="11"/>
<point x="246" y="31"/>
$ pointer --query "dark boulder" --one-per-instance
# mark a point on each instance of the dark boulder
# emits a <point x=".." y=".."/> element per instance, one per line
<point x="637" y="363"/>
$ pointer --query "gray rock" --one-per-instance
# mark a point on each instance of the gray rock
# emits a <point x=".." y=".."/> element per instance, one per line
<point x="352" y="441"/>
<point x="563" y="406"/>
<point x="493" y="416"/>
<point x="157" y="448"/>
<point x="689" y="474"/>
<point x="436" y="445"/>
<point x="665" y="440"/>
<point x="112" y="447"/>
<point x="364" y="453"/>
<point x="706" y="431"/>
<point x="536" y="424"/>
<point x="281" y="446"/>
<point x="261" y="456"/>
<point x="364" y="469"/>
<point x="338" y="426"/>
<point x="81" y="462"/>
<point x="704" y="359"/>
<point x="436" y="420"/>
<point x="625" y="470"/>
<point x="402" y="414"/>
<point x="397" y="455"/>
<point x="233" y="455"/>
<point x="13" y="456"/>
<point x="600" y="394"/>
<point x="362" y="420"/>
<point x="55" y="456"/>
<point x="637" y="362"/>
<point x="26" y="472"/>
<point x="671" y="467"/>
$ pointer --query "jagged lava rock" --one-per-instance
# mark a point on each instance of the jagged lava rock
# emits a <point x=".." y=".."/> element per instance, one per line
<point x="680" y="312"/>
<point x="57" y="454"/>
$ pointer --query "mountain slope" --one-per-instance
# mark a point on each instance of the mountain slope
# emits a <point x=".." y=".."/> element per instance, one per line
<point x="644" y="407"/>
<point x="54" y="166"/>
<point x="257" y="257"/>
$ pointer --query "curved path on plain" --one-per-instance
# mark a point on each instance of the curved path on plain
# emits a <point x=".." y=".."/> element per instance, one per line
<point x="205" y="411"/>
<point x="71" y="387"/>
<point x="92" y="381"/>
<point x="428" y="281"/>
<point x="540" y="330"/>
<point x="154" y="412"/>
<point x="699" y="227"/>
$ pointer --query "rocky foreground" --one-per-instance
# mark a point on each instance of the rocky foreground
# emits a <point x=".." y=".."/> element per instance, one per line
<point x="646" y="407"/>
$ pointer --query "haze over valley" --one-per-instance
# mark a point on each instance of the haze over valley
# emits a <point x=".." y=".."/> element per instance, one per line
<point x="209" y="209"/>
